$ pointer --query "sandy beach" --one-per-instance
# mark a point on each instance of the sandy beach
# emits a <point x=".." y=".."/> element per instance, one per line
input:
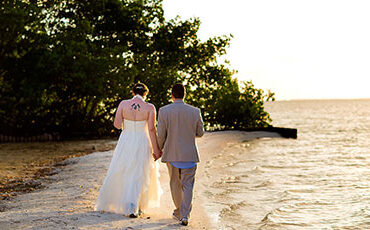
<point x="68" y="197"/>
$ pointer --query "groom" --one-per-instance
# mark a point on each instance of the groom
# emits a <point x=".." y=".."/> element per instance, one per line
<point x="178" y="125"/>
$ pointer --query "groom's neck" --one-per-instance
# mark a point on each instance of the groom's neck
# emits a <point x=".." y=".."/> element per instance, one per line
<point x="177" y="99"/>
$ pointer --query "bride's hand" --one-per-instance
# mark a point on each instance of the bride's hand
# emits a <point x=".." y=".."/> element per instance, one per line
<point x="157" y="155"/>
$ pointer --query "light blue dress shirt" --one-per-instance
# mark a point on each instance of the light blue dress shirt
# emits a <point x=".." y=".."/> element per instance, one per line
<point x="183" y="164"/>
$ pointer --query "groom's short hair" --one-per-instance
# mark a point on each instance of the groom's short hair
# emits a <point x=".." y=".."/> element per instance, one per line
<point x="178" y="91"/>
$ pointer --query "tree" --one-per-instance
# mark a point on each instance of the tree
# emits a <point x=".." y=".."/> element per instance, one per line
<point x="70" y="63"/>
<point x="21" y="35"/>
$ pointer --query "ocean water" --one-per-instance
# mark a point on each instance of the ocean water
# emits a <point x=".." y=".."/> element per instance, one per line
<point x="319" y="181"/>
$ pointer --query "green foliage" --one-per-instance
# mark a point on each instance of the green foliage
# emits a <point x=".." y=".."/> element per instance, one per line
<point x="243" y="108"/>
<point x="66" y="65"/>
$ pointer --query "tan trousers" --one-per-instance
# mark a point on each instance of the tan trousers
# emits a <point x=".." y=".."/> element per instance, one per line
<point x="182" y="185"/>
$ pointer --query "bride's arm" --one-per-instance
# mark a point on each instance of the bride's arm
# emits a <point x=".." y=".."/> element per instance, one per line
<point x="153" y="131"/>
<point x="119" y="117"/>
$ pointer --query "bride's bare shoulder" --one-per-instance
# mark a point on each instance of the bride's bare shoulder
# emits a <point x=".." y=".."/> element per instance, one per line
<point x="125" y="101"/>
<point x="150" y="105"/>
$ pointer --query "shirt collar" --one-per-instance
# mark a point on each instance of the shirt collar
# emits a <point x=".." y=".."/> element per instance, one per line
<point x="179" y="101"/>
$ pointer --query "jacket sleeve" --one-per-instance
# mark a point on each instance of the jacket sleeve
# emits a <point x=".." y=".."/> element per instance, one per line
<point x="200" y="126"/>
<point x="161" y="129"/>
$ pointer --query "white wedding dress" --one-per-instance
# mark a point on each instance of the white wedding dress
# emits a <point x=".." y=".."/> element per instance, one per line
<point x="132" y="180"/>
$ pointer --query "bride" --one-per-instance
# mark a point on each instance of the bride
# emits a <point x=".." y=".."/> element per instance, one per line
<point x="132" y="181"/>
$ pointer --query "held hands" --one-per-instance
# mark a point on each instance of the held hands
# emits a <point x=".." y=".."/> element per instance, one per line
<point x="157" y="154"/>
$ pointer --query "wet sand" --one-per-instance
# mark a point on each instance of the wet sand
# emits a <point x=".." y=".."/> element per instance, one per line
<point x="68" y="196"/>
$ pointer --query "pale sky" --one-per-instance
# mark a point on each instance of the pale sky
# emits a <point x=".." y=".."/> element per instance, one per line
<point x="299" y="49"/>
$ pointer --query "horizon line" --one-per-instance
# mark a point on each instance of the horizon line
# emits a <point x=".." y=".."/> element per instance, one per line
<point x="322" y="99"/>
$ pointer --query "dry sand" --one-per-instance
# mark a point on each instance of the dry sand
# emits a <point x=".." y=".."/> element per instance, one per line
<point x="68" y="198"/>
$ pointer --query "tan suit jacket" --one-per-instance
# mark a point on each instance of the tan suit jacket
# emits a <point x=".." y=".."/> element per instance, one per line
<point x="178" y="125"/>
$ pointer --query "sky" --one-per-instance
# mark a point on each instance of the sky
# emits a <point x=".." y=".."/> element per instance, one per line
<point x="299" y="49"/>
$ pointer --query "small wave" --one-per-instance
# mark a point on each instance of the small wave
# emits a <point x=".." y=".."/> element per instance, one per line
<point x="286" y="200"/>
<point x="282" y="166"/>
<point x="300" y="204"/>
<point x="266" y="217"/>
<point x="308" y="190"/>
<point x="226" y="180"/>
<point x="232" y="209"/>
<point x="271" y="219"/>
<point x="231" y="164"/>
<point x="224" y="193"/>
<point x="257" y="169"/>
<point x="232" y="179"/>
<point x="264" y="184"/>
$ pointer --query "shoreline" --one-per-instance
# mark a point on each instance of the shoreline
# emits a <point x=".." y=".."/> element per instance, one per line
<point x="26" y="166"/>
<point x="69" y="198"/>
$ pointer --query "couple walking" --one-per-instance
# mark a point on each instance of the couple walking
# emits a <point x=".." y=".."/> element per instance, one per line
<point x="132" y="181"/>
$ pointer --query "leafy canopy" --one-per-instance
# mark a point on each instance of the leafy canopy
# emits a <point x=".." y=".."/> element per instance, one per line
<point x="66" y="65"/>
